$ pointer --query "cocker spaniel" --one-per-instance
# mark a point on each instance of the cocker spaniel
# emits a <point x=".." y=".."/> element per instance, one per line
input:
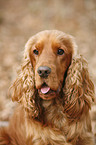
<point x="54" y="92"/>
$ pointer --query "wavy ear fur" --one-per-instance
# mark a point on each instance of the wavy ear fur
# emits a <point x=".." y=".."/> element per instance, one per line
<point x="23" y="89"/>
<point x="78" y="89"/>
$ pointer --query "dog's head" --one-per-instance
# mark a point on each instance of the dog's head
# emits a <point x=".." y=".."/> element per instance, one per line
<point x="48" y="57"/>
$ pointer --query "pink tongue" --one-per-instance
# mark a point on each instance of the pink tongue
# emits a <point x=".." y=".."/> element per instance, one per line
<point x="45" y="90"/>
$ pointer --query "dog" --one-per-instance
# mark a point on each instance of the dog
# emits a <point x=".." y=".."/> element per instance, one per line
<point x="54" y="94"/>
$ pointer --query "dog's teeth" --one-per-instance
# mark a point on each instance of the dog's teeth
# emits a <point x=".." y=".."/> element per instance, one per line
<point x="45" y="90"/>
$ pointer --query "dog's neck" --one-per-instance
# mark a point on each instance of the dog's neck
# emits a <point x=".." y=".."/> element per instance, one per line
<point x="53" y="113"/>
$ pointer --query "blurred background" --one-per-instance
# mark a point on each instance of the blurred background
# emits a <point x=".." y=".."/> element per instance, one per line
<point x="23" y="18"/>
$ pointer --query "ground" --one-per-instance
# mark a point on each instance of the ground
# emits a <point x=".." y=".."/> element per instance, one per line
<point x="23" y="18"/>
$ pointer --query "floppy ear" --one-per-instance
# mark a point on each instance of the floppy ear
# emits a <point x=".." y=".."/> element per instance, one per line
<point x="23" y="89"/>
<point x="78" y="89"/>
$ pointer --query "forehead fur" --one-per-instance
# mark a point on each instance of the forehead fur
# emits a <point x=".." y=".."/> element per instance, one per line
<point x="53" y="36"/>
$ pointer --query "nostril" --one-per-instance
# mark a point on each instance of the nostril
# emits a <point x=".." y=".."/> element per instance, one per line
<point x="46" y="72"/>
<point x="40" y="72"/>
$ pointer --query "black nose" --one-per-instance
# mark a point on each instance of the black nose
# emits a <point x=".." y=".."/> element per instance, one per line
<point x="44" y="71"/>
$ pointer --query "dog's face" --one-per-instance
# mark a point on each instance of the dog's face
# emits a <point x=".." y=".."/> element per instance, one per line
<point x="50" y="55"/>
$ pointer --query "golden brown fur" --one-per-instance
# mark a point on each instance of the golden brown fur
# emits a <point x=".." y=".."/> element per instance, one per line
<point x="60" y="116"/>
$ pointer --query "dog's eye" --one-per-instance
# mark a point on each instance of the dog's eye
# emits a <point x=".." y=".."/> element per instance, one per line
<point x="36" y="52"/>
<point x="60" y="52"/>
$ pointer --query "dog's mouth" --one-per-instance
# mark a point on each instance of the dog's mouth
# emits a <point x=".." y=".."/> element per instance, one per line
<point x="45" y="89"/>
<point x="46" y="92"/>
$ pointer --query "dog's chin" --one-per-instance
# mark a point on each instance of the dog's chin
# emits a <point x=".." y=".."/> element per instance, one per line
<point x="47" y="96"/>
<point x="45" y="92"/>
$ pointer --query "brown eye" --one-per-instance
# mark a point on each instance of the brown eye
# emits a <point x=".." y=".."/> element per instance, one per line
<point x="60" y="52"/>
<point x="36" y="52"/>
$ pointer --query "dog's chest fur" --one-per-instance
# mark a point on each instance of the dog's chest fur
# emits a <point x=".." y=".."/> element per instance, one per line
<point x="54" y="115"/>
